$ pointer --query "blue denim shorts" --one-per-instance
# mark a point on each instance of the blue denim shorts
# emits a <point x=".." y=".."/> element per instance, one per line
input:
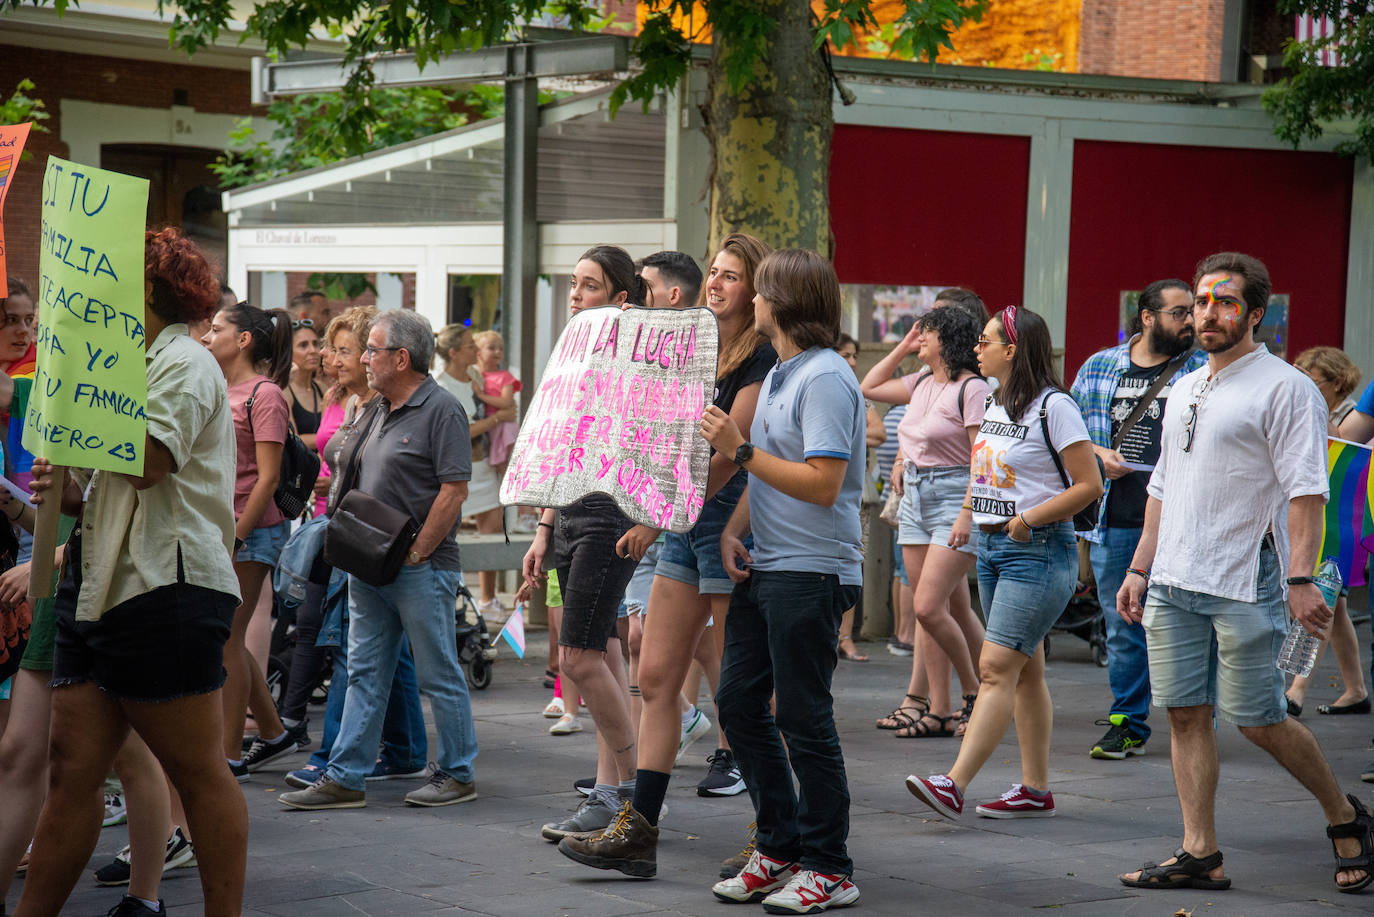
<point x="263" y="545"/>
<point x="637" y="593"/>
<point x="694" y="557"/>
<point x="1208" y="651"/>
<point x="932" y="499"/>
<point x="898" y="562"/>
<point x="1025" y="587"/>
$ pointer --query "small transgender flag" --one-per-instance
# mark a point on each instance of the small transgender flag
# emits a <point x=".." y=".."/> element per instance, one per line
<point x="514" y="631"/>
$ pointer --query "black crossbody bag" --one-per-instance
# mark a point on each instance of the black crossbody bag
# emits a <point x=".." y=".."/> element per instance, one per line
<point x="300" y="467"/>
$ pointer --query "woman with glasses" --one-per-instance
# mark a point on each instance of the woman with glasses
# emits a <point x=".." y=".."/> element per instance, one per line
<point x="1027" y="559"/>
<point x="1336" y="377"/>
<point x="945" y="406"/>
<point x="304" y="394"/>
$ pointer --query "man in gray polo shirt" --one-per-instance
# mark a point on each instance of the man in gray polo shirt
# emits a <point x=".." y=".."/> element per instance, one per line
<point x="417" y="458"/>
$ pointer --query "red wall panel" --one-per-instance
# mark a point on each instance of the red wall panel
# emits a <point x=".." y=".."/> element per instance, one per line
<point x="1143" y="212"/>
<point x="911" y="207"/>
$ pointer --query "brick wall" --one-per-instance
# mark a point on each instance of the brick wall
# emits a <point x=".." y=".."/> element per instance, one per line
<point x="1164" y="39"/>
<point x="89" y="78"/>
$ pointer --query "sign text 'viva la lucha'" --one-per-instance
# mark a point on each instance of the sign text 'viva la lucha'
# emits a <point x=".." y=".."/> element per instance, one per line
<point x="617" y="412"/>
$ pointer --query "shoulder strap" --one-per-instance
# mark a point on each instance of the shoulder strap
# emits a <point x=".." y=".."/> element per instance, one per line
<point x="961" y="394"/>
<point x="1143" y="404"/>
<point x="248" y="408"/>
<point x="1045" y="431"/>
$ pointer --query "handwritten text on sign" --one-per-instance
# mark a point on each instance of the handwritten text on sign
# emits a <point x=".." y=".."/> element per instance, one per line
<point x="616" y="412"/>
<point x="91" y="385"/>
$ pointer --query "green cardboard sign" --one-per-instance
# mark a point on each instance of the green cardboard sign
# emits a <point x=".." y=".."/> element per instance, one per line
<point x="91" y="386"/>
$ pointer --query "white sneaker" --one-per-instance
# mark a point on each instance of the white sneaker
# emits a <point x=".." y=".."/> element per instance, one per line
<point x="566" y="725"/>
<point x="812" y="892"/>
<point x="760" y="877"/>
<point x="697" y="727"/>
<point x="555" y="709"/>
<point x="492" y="608"/>
<point x="115" y="811"/>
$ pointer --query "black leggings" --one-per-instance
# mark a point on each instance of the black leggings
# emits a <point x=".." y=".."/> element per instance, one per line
<point x="306" y="659"/>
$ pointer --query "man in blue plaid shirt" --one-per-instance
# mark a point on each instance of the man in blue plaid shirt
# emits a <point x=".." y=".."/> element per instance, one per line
<point x="1109" y="386"/>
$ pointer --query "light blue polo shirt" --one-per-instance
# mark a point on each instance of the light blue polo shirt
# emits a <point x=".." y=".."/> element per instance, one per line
<point x="811" y="406"/>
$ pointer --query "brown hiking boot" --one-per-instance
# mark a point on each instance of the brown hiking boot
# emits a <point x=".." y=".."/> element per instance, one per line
<point x="629" y="844"/>
<point x="731" y="866"/>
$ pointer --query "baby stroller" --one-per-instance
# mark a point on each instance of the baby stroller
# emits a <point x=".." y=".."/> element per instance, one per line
<point x="475" y="651"/>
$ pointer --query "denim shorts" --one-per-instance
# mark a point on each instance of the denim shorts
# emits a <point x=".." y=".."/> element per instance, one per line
<point x="591" y="574"/>
<point x="1025" y="587"/>
<point x="694" y="557"/>
<point x="637" y="593"/>
<point x="898" y="562"/>
<point x="263" y="545"/>
<point x="1208" y="651"/>
<point x="932" y="499"/>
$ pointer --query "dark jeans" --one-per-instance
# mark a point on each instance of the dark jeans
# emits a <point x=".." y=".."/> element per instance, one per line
<point x="591" y="575"/>
<point x="306" y="657"/>
<point x="780" y="637"/>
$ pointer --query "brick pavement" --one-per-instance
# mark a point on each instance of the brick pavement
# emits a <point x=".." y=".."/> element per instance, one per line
<point x="486" y="857"/>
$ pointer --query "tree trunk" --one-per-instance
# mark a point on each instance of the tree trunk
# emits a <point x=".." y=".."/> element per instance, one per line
<point x="771" y="139"/>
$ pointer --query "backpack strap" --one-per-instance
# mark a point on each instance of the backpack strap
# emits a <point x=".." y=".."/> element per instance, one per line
<point x="248" y="408"/>
<point x="1045" y="431"/>
<point x="961" y="394"/>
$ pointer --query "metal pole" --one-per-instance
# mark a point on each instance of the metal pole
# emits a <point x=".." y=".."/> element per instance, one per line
<point x="520" y="230"/>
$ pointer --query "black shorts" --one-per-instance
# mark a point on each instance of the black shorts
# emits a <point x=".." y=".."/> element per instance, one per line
<point x="158" y="646"/>
<point x="591" y="576"/>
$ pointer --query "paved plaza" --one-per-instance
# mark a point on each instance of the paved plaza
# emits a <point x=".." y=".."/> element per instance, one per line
<point x="486" y="857"/>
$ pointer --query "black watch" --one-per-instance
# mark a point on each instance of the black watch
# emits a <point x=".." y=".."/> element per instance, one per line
<point x="744" y="453"/>
<point x="1301" y="580"/>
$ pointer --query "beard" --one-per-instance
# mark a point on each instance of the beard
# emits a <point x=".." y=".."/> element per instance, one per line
<point x="1169" y="343"/>
<point x="1229" y="337"/>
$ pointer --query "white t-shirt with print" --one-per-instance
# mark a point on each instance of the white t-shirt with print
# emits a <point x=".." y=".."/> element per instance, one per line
<point x="1011" y="465"/>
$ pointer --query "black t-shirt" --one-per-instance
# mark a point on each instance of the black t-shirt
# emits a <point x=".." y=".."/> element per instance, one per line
<point x="1126" y="499"/>
<point x="752" y="370"/>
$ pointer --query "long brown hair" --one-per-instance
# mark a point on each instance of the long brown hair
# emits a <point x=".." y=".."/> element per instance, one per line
<point x="750" y="252"/>
<point x="1032" y="365"/>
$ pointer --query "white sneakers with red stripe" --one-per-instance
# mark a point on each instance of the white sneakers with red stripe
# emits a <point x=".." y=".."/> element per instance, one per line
<point x="812" y="892"/>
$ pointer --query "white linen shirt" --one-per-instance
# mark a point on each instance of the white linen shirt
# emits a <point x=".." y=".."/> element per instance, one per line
<point x="1259" y="441"/>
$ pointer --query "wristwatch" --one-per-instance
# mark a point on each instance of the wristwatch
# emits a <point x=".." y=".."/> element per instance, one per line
<point x="1300" y="580"/>
<point x="414" y="557"/>
<point x="744" y="453"/>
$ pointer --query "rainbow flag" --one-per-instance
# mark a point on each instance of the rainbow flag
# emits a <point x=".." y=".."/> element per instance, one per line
<point x="1348" y="533"/>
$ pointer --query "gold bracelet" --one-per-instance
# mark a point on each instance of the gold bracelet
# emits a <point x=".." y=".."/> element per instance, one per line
<point x="966" y="506"/>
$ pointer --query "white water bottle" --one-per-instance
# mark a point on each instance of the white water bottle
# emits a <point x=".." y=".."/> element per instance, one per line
<point x="1298" y="656"/>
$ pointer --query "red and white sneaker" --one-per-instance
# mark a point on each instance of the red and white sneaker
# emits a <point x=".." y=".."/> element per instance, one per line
<point x="938" y="792"/>
<point x="1018" y="802"/>
<point x="812" y="892"/>
<point x="761" y="876"/>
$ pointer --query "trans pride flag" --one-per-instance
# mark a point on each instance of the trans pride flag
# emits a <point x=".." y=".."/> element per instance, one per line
<point x="1348" y="535"/>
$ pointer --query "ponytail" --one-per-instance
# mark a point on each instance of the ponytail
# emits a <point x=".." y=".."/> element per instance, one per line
<point x="272" y="339"/>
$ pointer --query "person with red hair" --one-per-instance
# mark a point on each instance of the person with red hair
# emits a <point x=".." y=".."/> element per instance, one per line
<point x="144" y="607"/>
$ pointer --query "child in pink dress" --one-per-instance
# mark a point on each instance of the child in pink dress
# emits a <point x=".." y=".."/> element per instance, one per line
<point x="498" y="391"/>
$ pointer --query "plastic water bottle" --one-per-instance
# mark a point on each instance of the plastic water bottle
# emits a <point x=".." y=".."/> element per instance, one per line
<point x="1298" y="656"/>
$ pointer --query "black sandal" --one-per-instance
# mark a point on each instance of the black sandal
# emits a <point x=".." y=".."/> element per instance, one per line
<point x="1187" y="871"/>
<point x="1362" y="827"/>
<point x="904" y="720"/>
<point x="964" y="713"/>
<point x="943" y="729"/>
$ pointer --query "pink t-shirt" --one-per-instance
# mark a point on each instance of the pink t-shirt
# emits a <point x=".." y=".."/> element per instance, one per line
<point x="331" y="418"/>
<point x="933" y="433"/>
<point x="494" y="382"/>
<point x="270" y="421"/>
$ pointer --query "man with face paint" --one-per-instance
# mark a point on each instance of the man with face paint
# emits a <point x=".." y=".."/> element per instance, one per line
<point x="1234" y="506"/>
<point x="1109" y="388"/>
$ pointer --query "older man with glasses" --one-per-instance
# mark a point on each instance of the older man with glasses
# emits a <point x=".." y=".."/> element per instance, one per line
<point x="1122" y="392"/>
<point x="1235" y="505"/>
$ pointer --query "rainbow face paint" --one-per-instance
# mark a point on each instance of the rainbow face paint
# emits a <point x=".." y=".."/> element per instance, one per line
<point x="1230" y="308"/>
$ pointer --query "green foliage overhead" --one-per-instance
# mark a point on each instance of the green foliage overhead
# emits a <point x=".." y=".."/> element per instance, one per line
<point x="19" y="108"/>
<point x="1314" y="96"/>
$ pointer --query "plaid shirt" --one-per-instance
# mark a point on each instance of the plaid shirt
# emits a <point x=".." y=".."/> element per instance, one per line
<point x="1093" y="389"/>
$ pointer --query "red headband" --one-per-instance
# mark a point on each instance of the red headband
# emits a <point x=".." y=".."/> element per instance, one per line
<point x="1009" y="324"/>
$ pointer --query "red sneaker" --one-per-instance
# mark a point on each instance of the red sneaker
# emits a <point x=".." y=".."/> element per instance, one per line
<point x="1018" y="802"/>
<point x="938" y="792"/>
<point x="812" y="892"/>
<point x="760" y="877"/>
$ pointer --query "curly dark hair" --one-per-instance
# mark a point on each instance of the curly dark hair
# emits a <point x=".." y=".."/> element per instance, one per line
<point x="185" y="288"/>
<point x="958" y="334"/>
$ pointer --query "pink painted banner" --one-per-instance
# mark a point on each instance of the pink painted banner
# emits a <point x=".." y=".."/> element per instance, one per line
<point x="616" y="412"/>
<point x="12" y="137"/>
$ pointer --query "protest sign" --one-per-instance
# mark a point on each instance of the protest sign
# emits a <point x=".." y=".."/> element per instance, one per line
<point x="12" y="137"/>
<point x="616" y="412"/>
<point x="90" y="387"/>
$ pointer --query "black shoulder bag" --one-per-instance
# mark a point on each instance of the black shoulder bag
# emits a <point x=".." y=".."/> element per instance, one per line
<point x="1085" y="520"/>
<point x="300" y="467"/>
<point x="366" y="538"/>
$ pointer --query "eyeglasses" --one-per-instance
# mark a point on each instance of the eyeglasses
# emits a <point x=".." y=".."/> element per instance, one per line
<point x="1190" y="419"/>
<point x="1178" y="314"/>
<point x="302" y="323"/>
<point x="984" y="342"/>
<point x="373" y="351"/>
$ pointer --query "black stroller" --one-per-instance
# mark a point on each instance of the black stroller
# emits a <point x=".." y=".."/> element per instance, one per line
<point x="1083" y="617"/>
<point x="475" y="650"/>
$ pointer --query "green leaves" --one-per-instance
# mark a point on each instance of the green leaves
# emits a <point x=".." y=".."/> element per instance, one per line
<point x="19" y="108"/>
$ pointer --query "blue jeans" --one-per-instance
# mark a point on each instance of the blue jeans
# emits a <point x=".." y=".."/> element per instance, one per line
<point x="405" y="747"/>
<point x="1025" y="586"/>
<point x="780" y="636"/>
<point x="419" y="604"/>
<point x="1128" y="668"/>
